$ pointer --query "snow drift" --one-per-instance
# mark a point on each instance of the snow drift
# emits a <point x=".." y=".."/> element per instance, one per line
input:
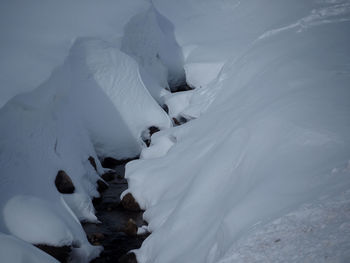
<point x="272" y="134"/>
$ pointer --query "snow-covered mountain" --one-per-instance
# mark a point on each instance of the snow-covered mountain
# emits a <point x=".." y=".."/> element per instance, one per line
<point x="259" y="173"/>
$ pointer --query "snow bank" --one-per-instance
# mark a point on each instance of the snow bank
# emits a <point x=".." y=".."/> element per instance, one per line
<point x="273" y="128"/>
<point x="124" y="108"/>
<point x="149" y="38"/>
<point x="16" y="251"/>
<point x="91" y="101"/>
<point x="40" y="134"/>
<point x="37" y="36"/>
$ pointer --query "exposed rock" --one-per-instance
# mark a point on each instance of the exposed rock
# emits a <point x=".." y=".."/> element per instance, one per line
<point x="183" y="87"/>
<point x="130" y="228"/>
<point x="60" y="253"/>
<point x="64" y="183"/>
<point x="129" y="203"/>
<point x="110" y="162"/>
<point x="165" y="108"/>
<point x="101" y="186"/>
<point x="128" y="258"/>
<point x="176" y="122"/>
<point x="179" y="121"/>
<point x="96" y="238"/>
<point x="109" y="176"/>
<point x="153" y="129"/>
<point x="93" y="162"/>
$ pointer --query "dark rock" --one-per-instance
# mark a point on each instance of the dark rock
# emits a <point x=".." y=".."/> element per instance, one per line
<point x="128" y="258"/>
<point x="129" y="203"/>
<point x="93" y="162"/>
<point x="182" y="120"/>
<point x="64" y="183"/>
<point x="96" y="238"/>
<point x="277" y="240"/>
<point x="130" y="228"/>
<point x="60" y="253"/>
<point x="147" y="142"/>
<point x="176" y="122"/>
<point x="152" y="130"/>
<point x="96" y="200"/>
<point x="180" y="88"/>
<point x="165" y="108"/>
<point x="109" y="176"/>
<point x="110" y="162"/>
<point x="101" y="186"/>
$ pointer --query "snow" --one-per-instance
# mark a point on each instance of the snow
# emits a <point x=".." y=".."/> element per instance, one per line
<point x="36" y="36"/>
<point x="89" y="101"/>
<point x="260" y="173"/>
<point x="16" y="251"/>
<point x="270" y="128"/>
<point x="149" y="37"/>
<point x="103" y="73"/>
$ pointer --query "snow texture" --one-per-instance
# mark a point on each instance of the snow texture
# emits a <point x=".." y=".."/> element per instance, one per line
<point x="270" y="129"/>
<point x="261" y="173"/>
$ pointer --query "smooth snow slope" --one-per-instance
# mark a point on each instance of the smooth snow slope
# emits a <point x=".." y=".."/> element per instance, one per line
<point x="36" y="36"/>
<point x="273" y="134"/>
<point x="15" y="251"/>
<point x="149" y="38"/>
<point x="93" y="103"/>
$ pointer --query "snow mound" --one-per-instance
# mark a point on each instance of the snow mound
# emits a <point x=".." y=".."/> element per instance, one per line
<point x="17" y="251"/>
<point x="110" y="79"/>
<point x="271" y="128"/>
<point x="149" y="38"/>
<point x="36" y="37"/>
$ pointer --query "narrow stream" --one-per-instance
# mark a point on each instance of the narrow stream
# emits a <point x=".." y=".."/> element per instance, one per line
<point x="118" y="227"/>
<point x="114" y="218"/>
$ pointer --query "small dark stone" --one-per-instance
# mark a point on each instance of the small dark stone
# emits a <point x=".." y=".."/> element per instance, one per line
<point x="109" y="176"/>
<point x="64" y="183"/>
<point x="180" y="88"/>
<point x="182" y="120"/>
<point x="147" y="142"/>
<point x="152" y="130"/>
<point x="165" y="108"/>
<point x="101" y="186"/>
<point x="130" y="228"/>
<point x="60" y="253"/>
<point x="95" y="238"/>
<point x="277" y="240"/>
<point x="129" y="203"/>
<point x="176" y="122"/>
<point x="128" y="258"/>
<point x="110" y="162"/>
<point x="93" y="162"/>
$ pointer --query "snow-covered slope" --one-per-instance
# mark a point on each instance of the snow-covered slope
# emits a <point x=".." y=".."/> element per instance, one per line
<point x="149" y="38"/>
<point x="265" y="157"/>
<point x="273" y="134"/>
<point x="15" y="251"/>
<point x="36" y="36"/>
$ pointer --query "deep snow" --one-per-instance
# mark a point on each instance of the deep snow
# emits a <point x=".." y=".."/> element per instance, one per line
<point x="259" y="174"/>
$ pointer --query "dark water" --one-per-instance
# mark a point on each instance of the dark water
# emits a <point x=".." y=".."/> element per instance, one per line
<point x="113" y="219"/>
